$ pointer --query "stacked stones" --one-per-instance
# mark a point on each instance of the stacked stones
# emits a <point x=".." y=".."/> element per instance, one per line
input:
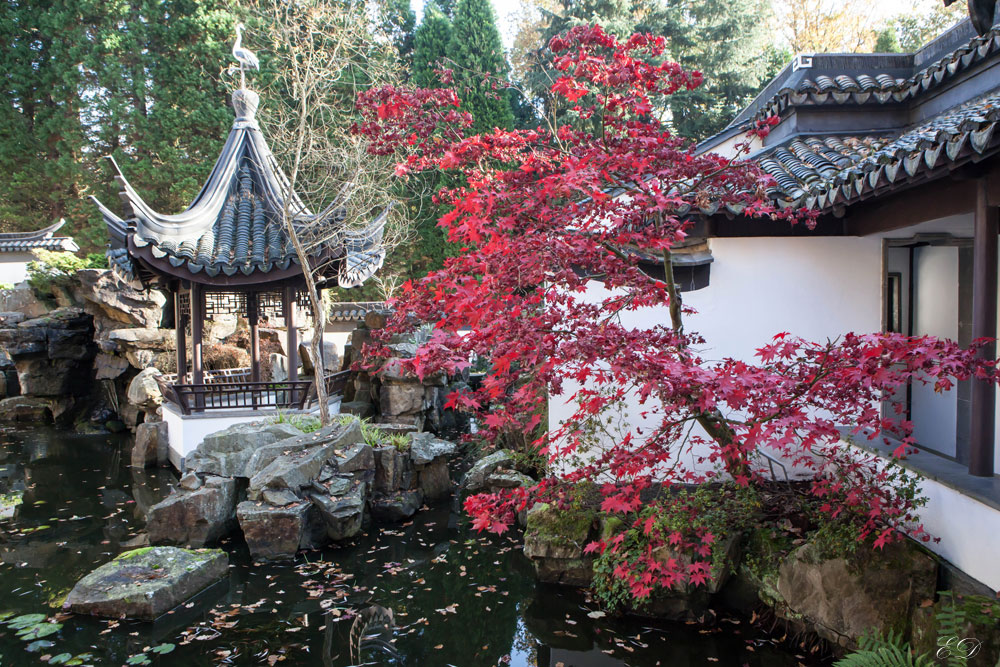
<point x="286" y="490"/>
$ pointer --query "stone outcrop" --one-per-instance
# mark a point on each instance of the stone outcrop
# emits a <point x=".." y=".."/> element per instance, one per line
<point x="290" y="471"/>
<point x="114" y="303"/>
<point x="841" y="599"/>
<point x="554" y="540"/>
<point x="397" y="506"/>
<point x="144" y="392"/>
<point x="430" y="460"/>
<point x="144" y="348"/>
<point x="274" y="533"/>
<point x="146" y="583"/>
<point x="151" y="445"/>
<point x="342" y="511"/>
<point x="343" y="438"/>
<point x="32" y="409"/>
<point x="227" y="452"/>
<point x="194" y="517"/>
<point x="52" y="354"/>
<point x="476" y="478"/>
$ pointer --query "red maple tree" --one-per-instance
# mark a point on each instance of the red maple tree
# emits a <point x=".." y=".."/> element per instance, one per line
<point x="539" y="214"/>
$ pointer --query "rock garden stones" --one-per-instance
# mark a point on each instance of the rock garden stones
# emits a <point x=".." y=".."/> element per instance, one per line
<point x="290" y="471"/>
<point x="475" y="479"/>
<point x="146" y="583"/>
<point x="554" y="541"/>
<point x="342" y="513"/>
<point x="274" y="533"/>
<point x="194" y="518"/>
<point x="342" y="437"/>
<point x="396" y="507"/>
<point x="227" y="452"/>
<point x="151" y="445"/>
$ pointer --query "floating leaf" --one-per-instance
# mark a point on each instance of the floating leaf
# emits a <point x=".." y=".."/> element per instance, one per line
<point x="39" y="630"/>
<point x="39" y="645"/>
<point x="163" y="649"/>
<point x="26" y="620"/>
<point x="60" y="659"/>
<point x="139" y="659"/>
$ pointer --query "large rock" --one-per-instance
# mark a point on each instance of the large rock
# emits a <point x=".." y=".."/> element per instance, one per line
<point x="194" y="518"/>
<point x="355" y="458"/>
<point x="25" y="409"/>
<point x="22" y="300"/>
<point x="151" y="445"/>
<point x="342" y="514"/>
<point x="396" y="507"/>
<point x="52" y="354"/>
<point x="112" y="301"/>
<point x="273" y="533"/>
<point x="475" y="479"/>
<point x="290" y="471"/>
<point x="434" y="480"/>
<point x="332" y="358"/>
<point x="146" y="348"/>
<point x="389" y="469"/>
<point x="144" y="392"/>
<point x="424" y="448"/>
<point x="401" y="399"/>
<point x="841" y="599"/>
<point x="554" y="540"/>
<point x="227" y="452"/>
<point x="343" y="437"/>
<point x="146" y="583"/>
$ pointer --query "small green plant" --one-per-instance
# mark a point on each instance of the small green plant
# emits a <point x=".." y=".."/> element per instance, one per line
<point x="890" y="651"/>
<point x="52" y="270"/>
<point x="305" y="423"/>
<point x="377" y="437"/>
<point x="5" y="286"/>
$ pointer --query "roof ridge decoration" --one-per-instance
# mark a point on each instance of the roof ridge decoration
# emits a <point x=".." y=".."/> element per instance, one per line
<point x="234" y="230"/>
<point x="881" y="88"/>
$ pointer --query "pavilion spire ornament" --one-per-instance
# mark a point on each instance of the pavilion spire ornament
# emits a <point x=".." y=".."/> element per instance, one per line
<point x="245" y="57"/>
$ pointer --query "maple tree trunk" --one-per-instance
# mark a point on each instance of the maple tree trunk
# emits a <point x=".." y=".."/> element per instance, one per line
<point x="713" y="422"/>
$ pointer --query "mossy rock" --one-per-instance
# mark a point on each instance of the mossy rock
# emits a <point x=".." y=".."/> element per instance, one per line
<point x="145" y="583"/>
<point x="554" y="541"/>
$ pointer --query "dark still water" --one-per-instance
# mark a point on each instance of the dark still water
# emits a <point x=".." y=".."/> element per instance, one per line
<point x="428" y="593"/>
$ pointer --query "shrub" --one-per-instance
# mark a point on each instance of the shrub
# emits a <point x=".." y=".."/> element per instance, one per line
<point x="305" y="423"/>
<point x="53" y="270"/>
<point x="219" y="356"/>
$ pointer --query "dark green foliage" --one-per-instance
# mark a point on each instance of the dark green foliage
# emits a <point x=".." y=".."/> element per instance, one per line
<point x="728" y="41"/>
<point x="476" y="50"/>
<point x="430" y="46"/>
<point x="888" y="42"/>
<point x="400" y="22"/>
<point x="891" y="651"/>
<point x="136" y="79"/>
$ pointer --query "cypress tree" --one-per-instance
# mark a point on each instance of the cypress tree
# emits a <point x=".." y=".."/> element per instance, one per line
<point x="475" y="49"/>
<point x="430" y="46"/>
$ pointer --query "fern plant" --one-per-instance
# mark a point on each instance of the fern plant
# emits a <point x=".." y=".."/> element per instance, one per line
<point x="951" y="623"/>
<point x="890" y="651"/>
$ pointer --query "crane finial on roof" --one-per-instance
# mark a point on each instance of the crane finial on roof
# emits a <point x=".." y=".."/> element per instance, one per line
<point x="245" y="57"/>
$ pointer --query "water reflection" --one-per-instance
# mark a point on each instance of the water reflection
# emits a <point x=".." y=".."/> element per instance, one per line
<point x="424" y="593"/>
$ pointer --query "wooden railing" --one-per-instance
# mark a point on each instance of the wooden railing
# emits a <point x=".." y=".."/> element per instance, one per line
<point x="241" y="395"/>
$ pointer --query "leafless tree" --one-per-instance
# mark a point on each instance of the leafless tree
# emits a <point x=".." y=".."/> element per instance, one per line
<point x="316" y="56"/>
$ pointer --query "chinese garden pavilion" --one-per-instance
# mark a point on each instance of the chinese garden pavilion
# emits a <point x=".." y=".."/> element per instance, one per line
<point x="229" y="252"/>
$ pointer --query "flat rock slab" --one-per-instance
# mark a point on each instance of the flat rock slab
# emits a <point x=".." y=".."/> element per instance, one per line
<point x="273" y="533"/>
<point x="146" y="583"/>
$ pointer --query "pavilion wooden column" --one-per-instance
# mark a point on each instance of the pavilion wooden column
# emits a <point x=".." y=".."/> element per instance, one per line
<point x="180" y="339"/>
<point x="197" y="327"/>
<point x="291" y="333"/>
<point x="253" y="318"/>
<point x="984" y="325"/>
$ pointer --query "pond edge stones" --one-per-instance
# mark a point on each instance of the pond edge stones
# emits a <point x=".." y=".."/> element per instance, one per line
<point x="144" y="584"/>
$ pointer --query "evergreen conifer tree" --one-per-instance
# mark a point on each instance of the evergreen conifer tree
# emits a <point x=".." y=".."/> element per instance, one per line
<point x="476" y="50"/>
<point x="430" y="46"/>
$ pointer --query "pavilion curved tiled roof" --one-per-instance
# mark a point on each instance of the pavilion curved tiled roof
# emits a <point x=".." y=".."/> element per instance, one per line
<point x="233" y="230"/>
<point x="42" y="239"/>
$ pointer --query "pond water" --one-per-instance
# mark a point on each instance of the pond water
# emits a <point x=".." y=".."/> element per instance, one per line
<point x="427" y="593"/>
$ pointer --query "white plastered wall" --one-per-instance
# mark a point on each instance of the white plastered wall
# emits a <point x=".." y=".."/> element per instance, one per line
<point x="14" y="267"/>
